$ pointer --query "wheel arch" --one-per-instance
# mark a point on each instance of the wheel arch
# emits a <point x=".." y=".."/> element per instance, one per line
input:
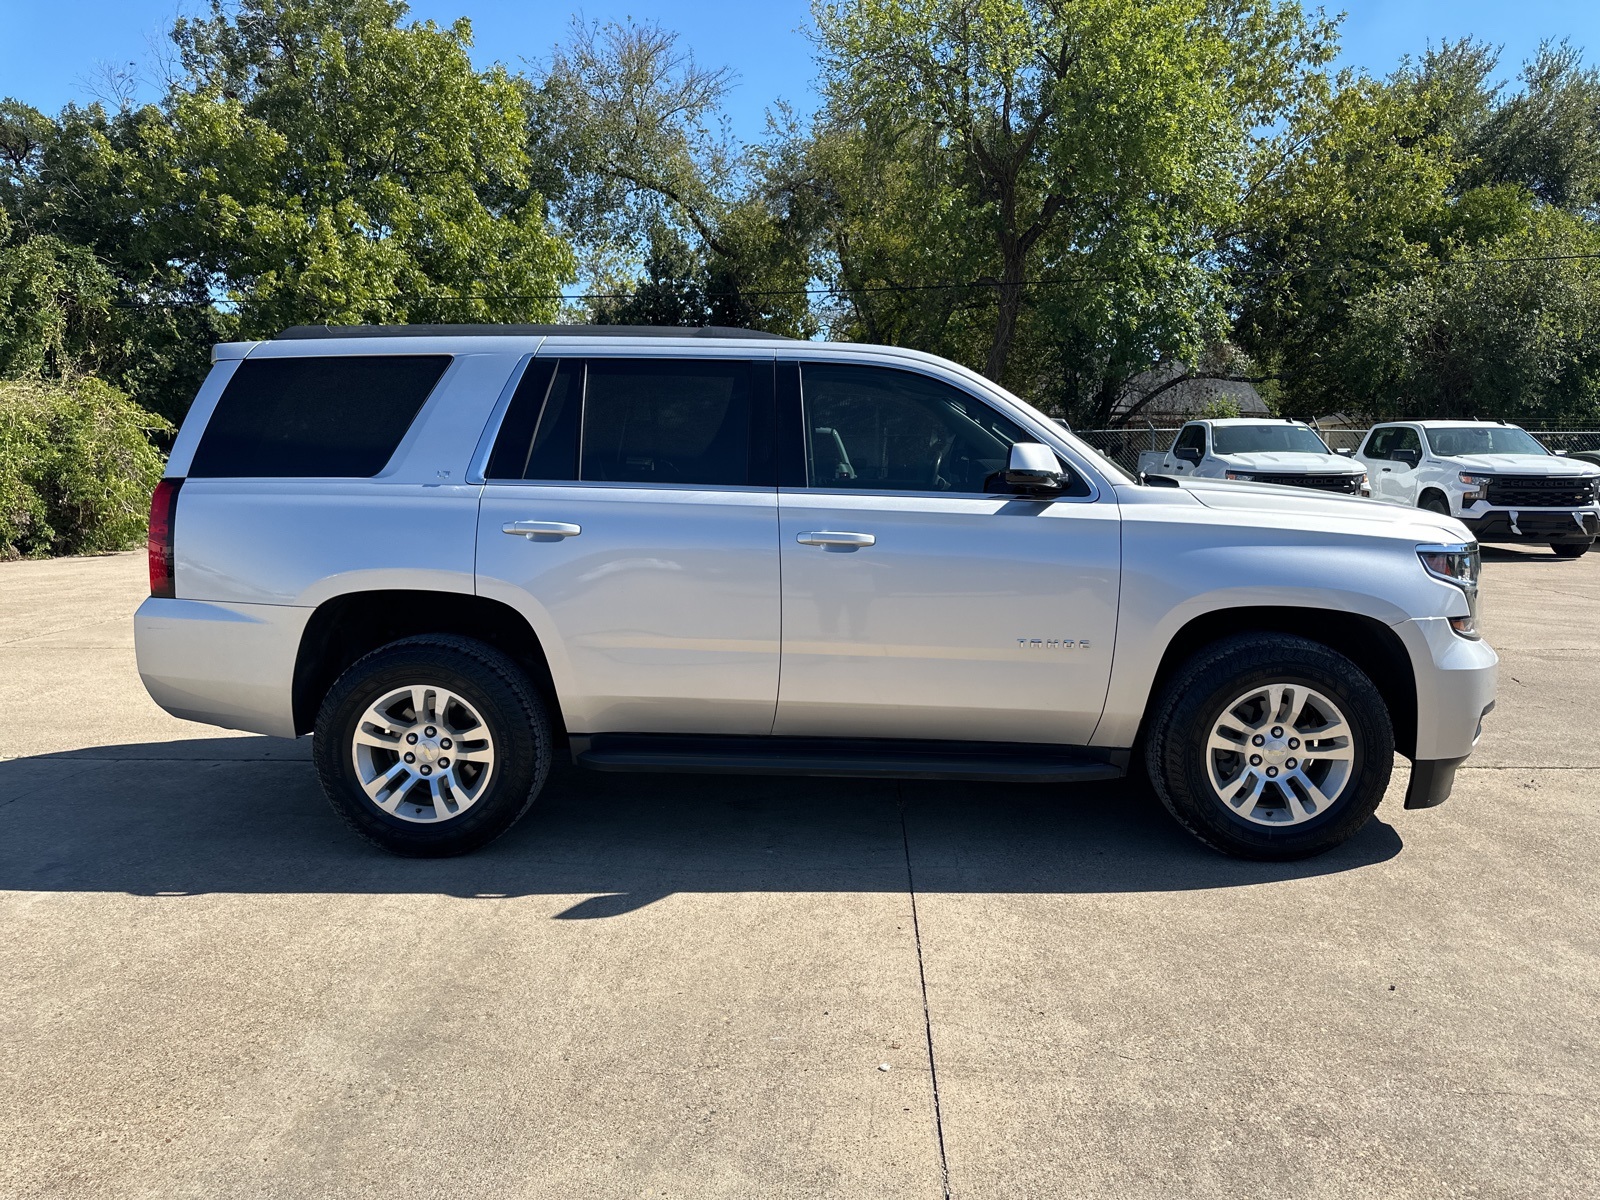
<point x="1434" y="490"/>
<point x="348" y="626"/>
<point x="1374" y="647"/>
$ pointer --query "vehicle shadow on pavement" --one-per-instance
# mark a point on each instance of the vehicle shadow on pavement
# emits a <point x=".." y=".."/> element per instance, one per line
<point x="246" y="815"/>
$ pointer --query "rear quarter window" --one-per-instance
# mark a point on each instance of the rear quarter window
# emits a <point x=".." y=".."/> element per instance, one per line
<point x="315" y="417"/>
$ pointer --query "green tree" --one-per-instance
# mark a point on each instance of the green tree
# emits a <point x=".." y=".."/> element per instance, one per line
<point x="1061" y="171"/>
<point x="1411" y="255"/>
<point x="316" y="161"/>
<point x="644" y="178"/>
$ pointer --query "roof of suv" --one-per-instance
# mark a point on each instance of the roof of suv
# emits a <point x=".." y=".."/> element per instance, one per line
<point x="299" y="333"/>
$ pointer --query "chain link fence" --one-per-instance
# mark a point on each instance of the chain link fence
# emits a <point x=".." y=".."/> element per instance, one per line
<point x="1123" y="446"/>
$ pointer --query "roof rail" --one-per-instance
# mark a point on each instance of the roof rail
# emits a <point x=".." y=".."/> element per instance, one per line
<point x="297" y="333"/>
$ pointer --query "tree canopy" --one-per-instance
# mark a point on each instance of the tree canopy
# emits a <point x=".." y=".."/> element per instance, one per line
<point x="1073" y="196"/>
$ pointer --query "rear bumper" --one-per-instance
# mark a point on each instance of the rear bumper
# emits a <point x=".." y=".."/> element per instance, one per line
<point x="1535" y="525"/>
<point x="221" y="664"/>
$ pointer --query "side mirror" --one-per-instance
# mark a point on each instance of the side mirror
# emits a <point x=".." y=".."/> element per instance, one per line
<point x="1410" y="457"/>
<point x="1189" y="454"/>
<point x="1345" y="450"/>
<point x="1034" y="466"/>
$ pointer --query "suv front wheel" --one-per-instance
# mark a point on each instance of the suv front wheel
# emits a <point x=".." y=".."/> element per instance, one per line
<point x="432" y="745"/>
<point x="1270" y="746"/>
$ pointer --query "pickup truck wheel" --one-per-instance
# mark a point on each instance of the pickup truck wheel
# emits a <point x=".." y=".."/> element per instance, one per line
<point x="432" y="745"/>
<point x="1270" y="747"/>
<point x="1570" y="549"/>
<point x="1434" y="503"/>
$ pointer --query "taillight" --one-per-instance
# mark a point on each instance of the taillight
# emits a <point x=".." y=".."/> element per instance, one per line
<point x="163" y="508"/>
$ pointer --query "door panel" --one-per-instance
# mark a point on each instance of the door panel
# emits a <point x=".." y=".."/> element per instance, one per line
<point x="954" y="622"/>
<point x="660" y="616"/>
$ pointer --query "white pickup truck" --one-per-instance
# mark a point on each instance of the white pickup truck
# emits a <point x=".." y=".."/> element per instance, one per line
<point x="1251" y="450"/>
<point x="1497" y="478"/>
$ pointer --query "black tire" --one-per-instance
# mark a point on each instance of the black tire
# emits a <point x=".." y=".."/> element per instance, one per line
<point x="1195" y="697"/>
<point x="1434" y="503"/>
<point x="1570" y="549"/>
<point x="508" y="705"/>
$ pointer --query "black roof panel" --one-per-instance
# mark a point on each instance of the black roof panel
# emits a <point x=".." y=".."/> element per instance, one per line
<point x="318" y="332"/>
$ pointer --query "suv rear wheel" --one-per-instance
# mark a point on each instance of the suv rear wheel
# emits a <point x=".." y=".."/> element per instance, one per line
<point x="432" y="746"/>
<point x="1270" y="746"/>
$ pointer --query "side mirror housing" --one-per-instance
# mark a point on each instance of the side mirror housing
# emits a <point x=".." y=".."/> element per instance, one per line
<point x="1409" y="457"/>
<point x="1035" y="467"/>
<point x="1345" y="450"/>
<point x="1189" y="454"/>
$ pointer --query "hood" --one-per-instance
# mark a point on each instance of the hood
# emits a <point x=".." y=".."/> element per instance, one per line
<point x="1321" y="510"/>
<point x="1523" y="464"/>
<point x="1291" y="462"/>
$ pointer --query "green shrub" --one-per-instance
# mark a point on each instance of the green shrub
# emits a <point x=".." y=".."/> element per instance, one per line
<point x="76" y="468"/>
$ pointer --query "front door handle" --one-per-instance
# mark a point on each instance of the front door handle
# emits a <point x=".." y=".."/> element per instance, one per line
<point x="853" y="540"/>
<point x="538" y="531"/>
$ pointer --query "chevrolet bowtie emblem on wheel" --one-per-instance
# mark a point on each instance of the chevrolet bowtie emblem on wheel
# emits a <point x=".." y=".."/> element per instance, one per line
<point x="1052" y="644"/>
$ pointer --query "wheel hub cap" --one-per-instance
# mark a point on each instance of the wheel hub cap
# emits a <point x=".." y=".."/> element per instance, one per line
<point x="1281" y="754"/>
<point x="423" y="753"/>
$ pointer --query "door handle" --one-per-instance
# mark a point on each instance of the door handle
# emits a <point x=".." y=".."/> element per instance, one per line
<point x="541" y="530"/>
<point x="1385" y="470"/>
<point x="836" y="539"/>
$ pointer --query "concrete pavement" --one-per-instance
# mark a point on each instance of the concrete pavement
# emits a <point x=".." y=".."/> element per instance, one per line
<point x="680" y="986"/>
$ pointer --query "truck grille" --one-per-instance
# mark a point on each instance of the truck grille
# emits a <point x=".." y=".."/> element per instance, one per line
<point x="1534" y="491"/>
<point x="1350" y="485"/>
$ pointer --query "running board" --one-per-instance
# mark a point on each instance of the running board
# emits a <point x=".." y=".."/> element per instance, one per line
<point x="848" y="758"/>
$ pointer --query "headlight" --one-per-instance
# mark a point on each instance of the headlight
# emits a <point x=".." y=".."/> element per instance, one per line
<point x="1241" y="476"/>
<point x="1458" y="564"/>
<point x="1477" y="487"/>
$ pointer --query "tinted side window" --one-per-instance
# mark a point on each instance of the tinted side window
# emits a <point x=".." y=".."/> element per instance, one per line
<point x="538" y="438"/>
<point x="1380" y="443"/>
<point x="1406" y="439"/>
<point x="668" y="421"/>
<point x="306" y="417"/>
<point x="883" y="429"/>
<point x="1193" y="437"/>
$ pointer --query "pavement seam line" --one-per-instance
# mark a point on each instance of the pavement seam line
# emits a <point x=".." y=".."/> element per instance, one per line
<point x="922" y="979"/>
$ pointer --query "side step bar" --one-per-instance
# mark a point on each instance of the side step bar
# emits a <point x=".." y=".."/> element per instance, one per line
<point x="848" y="758"/>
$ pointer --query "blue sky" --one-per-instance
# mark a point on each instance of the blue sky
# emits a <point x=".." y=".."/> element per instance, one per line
<point x="50" y="49"/>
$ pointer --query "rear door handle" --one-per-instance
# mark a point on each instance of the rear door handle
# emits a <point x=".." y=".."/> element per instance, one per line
<point x="836" y="539"/>
<point x="541" y="530"/>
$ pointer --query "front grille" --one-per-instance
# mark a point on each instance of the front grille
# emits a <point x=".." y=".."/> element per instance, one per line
<point x="1535" y="491"/>
<point x="1348" y="484"/>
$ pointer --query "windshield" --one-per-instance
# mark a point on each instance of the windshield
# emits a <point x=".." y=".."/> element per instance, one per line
<point x="1252" y="439"/>
<point x="1483" y="439"/>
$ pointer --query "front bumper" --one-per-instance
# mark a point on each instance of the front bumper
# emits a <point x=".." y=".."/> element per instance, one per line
<point x="1456" y="679"/>
<point x="1535" y="525"/>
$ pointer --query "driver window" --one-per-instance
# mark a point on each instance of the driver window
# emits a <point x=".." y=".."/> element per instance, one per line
<point x="876" y="428"/>
<point x="1193" y="437"/>
<point x="1381" y="442"/>
<point x="1405" y="439"/>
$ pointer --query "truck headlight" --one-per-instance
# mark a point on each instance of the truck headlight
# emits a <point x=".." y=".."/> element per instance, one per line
<point x="1460" y="565"/>
<point x="1477" y="487"/>
<point x="1241" y="476"/>
<point x="1364" y="485"/>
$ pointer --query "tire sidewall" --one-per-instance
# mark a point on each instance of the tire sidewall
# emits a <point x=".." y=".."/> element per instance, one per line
<point x="522" y="753"/>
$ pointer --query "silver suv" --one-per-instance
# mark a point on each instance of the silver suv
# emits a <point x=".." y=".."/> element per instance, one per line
<point x="453" y="552"/>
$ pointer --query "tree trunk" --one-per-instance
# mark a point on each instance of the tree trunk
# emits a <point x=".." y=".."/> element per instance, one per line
<point x="1008" y="301"/>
